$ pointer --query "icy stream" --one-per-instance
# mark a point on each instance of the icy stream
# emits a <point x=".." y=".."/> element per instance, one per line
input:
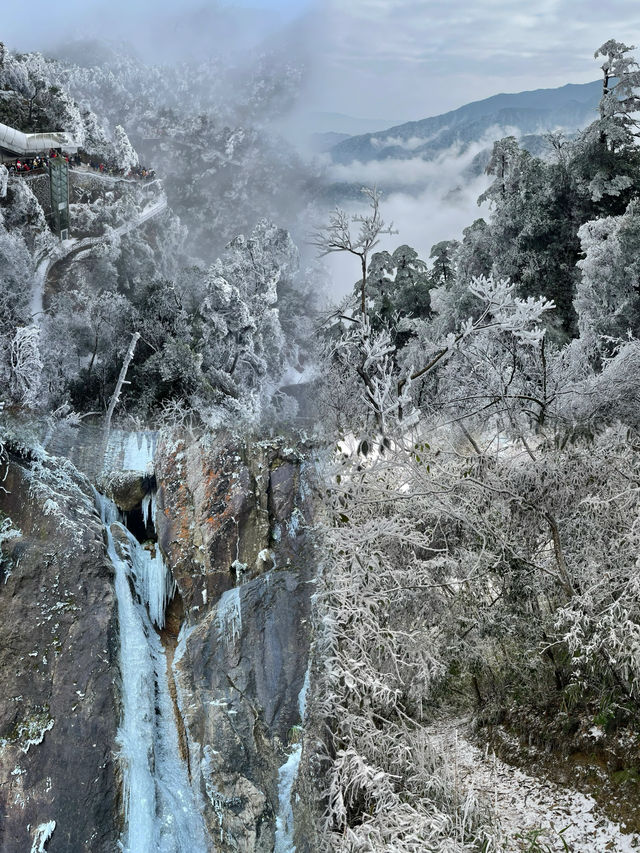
<point x="162" y="811"/>
<point x="287" y="775"/>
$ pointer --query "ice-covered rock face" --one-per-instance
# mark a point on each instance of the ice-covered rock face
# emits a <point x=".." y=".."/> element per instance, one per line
<point x="4" y="179"/>
<point x="161" y="809"/>
<point x="226" y="710"/>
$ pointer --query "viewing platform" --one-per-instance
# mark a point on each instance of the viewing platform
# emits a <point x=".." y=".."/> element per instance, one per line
<point x="14" y="142"/>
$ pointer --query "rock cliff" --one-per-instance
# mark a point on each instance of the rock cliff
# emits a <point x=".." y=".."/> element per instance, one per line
<point x="233" y="522"/>
<point x="58" y="651"/>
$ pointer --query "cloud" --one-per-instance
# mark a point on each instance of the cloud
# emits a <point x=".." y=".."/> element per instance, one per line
<point x="441" y="203"/>
<point x="405" y="59"/>
<point x="441" y="172"/>
<point x="158" y="30"/>
<point x="397" y="142"/>
<point x="426" y="219"/>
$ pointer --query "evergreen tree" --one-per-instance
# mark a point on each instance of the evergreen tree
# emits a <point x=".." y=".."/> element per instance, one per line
<point x="608" y="291"/>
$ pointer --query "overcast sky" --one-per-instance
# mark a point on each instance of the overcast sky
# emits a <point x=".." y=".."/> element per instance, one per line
<point x="421" y="57"/>
<point x="386" y="59"/>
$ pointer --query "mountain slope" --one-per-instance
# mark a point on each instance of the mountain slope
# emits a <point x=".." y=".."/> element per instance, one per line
<point x="568" y="108"/>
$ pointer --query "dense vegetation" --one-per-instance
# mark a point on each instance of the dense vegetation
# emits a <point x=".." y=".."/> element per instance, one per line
<point x="482" y="532"/>
<point x="220" y="326"/>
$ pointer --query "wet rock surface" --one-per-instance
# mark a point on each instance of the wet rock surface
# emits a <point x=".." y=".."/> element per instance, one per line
<point x="233" y="521"/>
<point x="125" y="488"/>
<point x="58" y="664"/>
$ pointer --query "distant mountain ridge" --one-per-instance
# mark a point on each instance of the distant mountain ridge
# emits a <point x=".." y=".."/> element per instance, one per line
<point x="321" y="142"/>
<point x="324" y="122"/>
<point x="540" y="111"/>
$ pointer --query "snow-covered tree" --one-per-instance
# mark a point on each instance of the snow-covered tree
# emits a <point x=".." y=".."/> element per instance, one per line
<point x="619" y="99"/>
<point x="243" y="336"/>
<point x="608" y="294"/>
<point x="26" y="365"/>
<point x="398" y="284"/>
<point x="126" y="156"/>
<point x="356" y="234"/>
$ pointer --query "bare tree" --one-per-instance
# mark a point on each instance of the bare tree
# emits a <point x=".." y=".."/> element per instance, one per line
<point x="340" y="236"/>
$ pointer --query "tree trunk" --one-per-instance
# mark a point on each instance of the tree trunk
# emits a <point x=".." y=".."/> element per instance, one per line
<point x="560" y="561"/>
<point x="605" y="92"/>
<point x="119" y="384"/>
<point x="93" y="357"/>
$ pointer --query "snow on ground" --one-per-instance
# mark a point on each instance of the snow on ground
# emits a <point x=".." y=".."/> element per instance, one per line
<point x="524" y="804"/>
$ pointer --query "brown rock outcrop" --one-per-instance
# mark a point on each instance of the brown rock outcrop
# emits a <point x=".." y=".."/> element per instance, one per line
<point x="233" y="521"/>
<point x="125" y="488"/>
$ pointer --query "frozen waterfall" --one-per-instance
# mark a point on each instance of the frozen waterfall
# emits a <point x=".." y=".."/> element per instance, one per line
<point x="153" y="581"/>
<point x="284" y="819"/>
<point x="162" y="811"/>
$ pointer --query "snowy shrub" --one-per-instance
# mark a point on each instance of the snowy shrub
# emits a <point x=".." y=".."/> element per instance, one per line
<point x="26" y="365"/>
<point x="384" y="590"/>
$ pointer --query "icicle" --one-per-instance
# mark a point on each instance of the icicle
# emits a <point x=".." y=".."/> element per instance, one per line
<point x="284" y="819"/>
<point x="230" y="615"/>
<point x="139" y="451"/>
<point x="149" y="509"/>
<point x="154" y="582"/>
